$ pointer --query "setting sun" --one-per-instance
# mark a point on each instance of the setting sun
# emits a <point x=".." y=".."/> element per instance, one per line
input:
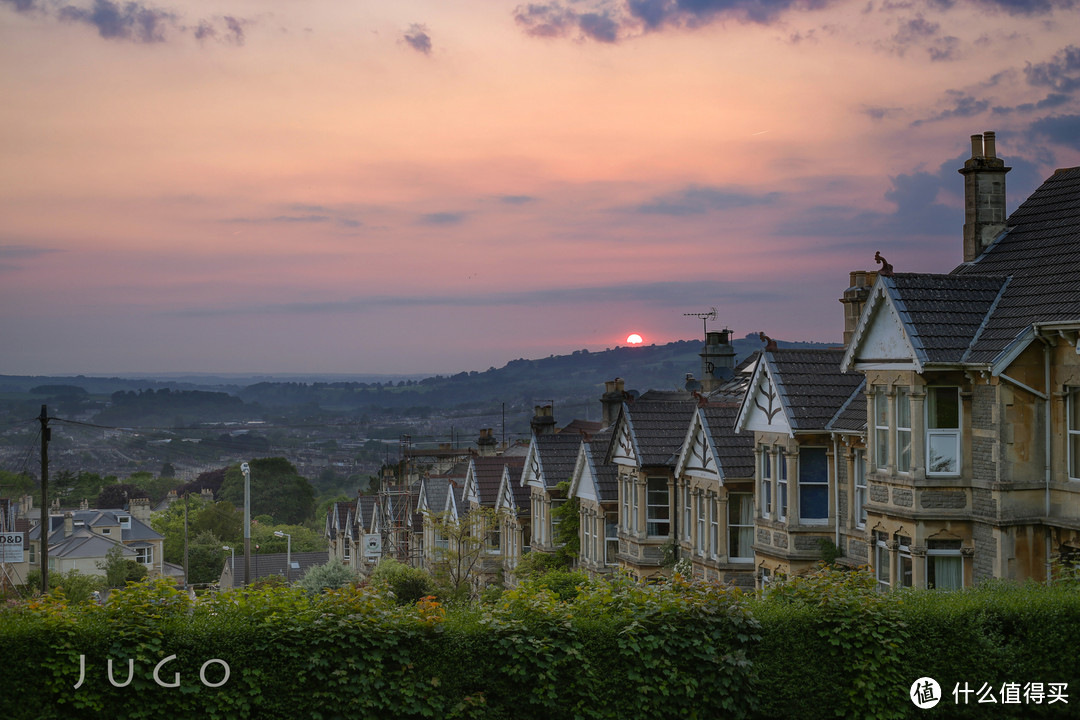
<point x="634" y="339"/>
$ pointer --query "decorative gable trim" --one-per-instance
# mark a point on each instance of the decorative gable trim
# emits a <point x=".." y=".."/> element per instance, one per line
<point x="533" y="472"/>
<point x="763" y="408"/>
<point x="582" y="482"/>
<point x="884" y="337"/>
<point x="624" y="444"/>
<point x="697" y="458"/>
<point x="471" y="492"/>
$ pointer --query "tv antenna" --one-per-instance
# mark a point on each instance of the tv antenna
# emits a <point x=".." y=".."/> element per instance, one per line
<point x="705" y="318"/>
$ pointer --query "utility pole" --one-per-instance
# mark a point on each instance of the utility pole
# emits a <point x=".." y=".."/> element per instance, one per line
<point x="186" y="495"/>
<point x="46" y="433"/>
<point x="246" y="469"/>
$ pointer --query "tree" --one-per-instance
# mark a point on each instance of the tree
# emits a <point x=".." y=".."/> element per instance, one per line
<point x="277" y="489"/>
<point x="117" y="495"/>
<point x="456" y="564"/>
<point x="207" y="558"/>
<point x="408" y="584"/>
<point x="333" y="574"/>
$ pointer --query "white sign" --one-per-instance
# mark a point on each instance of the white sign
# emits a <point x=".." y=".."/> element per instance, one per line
<point x="372" y="545"/>
<point x="11" y="547"/>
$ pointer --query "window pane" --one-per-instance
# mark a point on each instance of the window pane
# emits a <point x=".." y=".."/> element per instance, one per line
<point x="942" y="452"/>
<point x="945" y="572"/>
<point x="1074" y="409"/>
<point x="656" y="506"/>
<point x="813" y="484"/>
<point x="943" y="405"/>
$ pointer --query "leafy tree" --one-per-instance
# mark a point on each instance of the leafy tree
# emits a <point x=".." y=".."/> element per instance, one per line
<point x="277" y="489"/>
<point x="408" y="584"/>
<point x="76" y="586"/>
<point x="456" y="565"/>
<point x="167" y="470"/>
<point x="333" y="574"/>
<point x="207" y="558"/>
<point x="117" y="495"/>
<point x="16" y="484"/>
<point x="304" y="539"/>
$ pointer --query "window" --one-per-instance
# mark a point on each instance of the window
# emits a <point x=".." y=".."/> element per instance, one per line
<point x="860" y="488"/>
<point x="714" y="526"/>
<point x="1072" y="402"/>
<point x="766" y="481"/>
<point x="555" y="519"/>
<point x="813" y="485"/>
<point x="741" y="527"/>
<point x="611" y="539"/>
<point x="346" y="552"/>
<point x="903" y="567"/>
<point x="657" y="516"/>
<point x="881" y="429"/>
<point x="687" y="510"/>
<point x="903" y="429"/>
<point x="586" y="536"/>
<point x="943" y="431"/>
<point x="144" y="555"/>
<point x="33" y="549"/>
<point x="106" y="531"/>
<point x="944" y="565"/>
<point x="125" y="522"/>
<point x="781" y="485"/>
<point x="493" y="540"/>
<point x="700" y="544"/>
<point x="625" y="504"/>
<point x="881" y="560"/>
<point x="635" y="504"/>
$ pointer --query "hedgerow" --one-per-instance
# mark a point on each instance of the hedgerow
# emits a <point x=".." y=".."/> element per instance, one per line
<point x="822" y="646"/>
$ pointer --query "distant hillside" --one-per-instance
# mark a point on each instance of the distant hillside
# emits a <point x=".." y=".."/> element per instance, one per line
<point x="578" y="377"/>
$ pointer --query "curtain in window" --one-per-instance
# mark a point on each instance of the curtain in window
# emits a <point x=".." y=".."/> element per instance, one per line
<point x="946" y="572"/>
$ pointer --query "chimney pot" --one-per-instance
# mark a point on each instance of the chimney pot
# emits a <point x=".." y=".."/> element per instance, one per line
<point x="989" y="144"/>
<point x="976" y="146"/>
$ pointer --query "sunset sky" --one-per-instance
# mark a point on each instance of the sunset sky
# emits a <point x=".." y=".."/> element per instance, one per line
<point x="444" y="185"/>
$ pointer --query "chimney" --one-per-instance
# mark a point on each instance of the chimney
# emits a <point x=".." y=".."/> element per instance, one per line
<point x="69" y="524"/>
<point x="487" y="443"/>
<point x="854" y="299"/>
<point x="611" y="401"/>
<point x="543" y="422"/>
<point x="717" y="360"/>
<point x="140" y="509"/>
<point x="984" y="195"/>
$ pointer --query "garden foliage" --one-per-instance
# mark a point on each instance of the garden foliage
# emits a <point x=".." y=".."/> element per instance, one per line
<point x="824" y="646"/>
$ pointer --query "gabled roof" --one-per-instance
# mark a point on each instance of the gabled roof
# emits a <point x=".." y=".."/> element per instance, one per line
<point x="650" y="430"/>
<point x="550" y="460"/>
<point x="84" y="543"/>
<point x="796" y="390"/>
<point x="138" y="530"/>
<point x="366" y="506"/>
<point x="983" y="311"/>
<point x="594" y="478"/>
<point x="713" y="449"/>
<point x="513" y="497"/>
<point x="485" y="474"/>
<point x="851" y="417"/>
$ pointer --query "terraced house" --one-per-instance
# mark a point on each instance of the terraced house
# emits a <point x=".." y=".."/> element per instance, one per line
<point x="973" y="394"/>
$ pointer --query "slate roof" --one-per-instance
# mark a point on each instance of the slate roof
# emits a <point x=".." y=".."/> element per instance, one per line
<point x="734" y="451"/>
<point x="435" y="489"/>
<point x="1041" y="254"/>
<point x="519" y="494"/>
<point x="488" y="474"/>
<point x="268" y="564"/>
<point x="84" y="543"/>
<point x="605" y="475"/>
<point x="558" y="455"/>
<point x="852" y="414"/>
<point x="735" y="388"/>
<point x="365" y="511"/>
<point x="99" y="518"/>
<point x="811" y="385"/>
<point x="944" y="313"/>
<point x="660" y="420"/>
<point x="582" y="427"/>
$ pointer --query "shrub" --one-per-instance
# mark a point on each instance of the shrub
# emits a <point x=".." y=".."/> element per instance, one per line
<point x="408" y="584"/>
<point x="332" y="574"/>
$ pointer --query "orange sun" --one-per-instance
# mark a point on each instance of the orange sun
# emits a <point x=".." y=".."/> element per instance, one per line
<point x="634" y="339"/>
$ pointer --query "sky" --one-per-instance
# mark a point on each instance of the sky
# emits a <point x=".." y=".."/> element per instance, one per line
<point x="422" y="186"/>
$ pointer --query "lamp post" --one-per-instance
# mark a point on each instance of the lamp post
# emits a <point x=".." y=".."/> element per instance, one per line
<point x="233" y="565"/>
<point x="246" y="469"/>
<point x="288" y="551"/>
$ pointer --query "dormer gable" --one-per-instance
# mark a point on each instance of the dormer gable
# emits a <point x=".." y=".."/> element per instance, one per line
<point x="624" y="449"/>
<point x="583" y="481"/>
<point x="698" y="456"/>
<point x="762" y="408"/>
<point x="883" y="338"/>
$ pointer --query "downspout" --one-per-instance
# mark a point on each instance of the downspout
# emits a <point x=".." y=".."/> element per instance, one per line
<point x="1046" y="422"/>
<point x="836" y="487"/>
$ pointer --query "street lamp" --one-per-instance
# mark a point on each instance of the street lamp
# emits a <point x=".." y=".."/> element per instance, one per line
<point x="288" y="551"/>
<point x="233" y="566"/>
<point x="246" y="469"/>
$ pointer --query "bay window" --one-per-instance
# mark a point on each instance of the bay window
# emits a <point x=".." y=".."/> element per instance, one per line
<point x="699" y="544"/>
<point x="881" y="560"/>
<point x="904" y="564"/>
<point x="611" y="538"/>
<point x="860" y="488"/>
<point x="943" y="431"/>
<point x="766" y="481"/>
<point x="714" y="526"/>
<point x="781" y="485"/>
<point x="686" y="512"/>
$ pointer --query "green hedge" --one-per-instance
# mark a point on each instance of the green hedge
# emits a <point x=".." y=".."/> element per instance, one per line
<point x="824" y="646"/>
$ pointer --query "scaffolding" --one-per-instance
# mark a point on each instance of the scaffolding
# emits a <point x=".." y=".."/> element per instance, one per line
<point x="396" y="506"/>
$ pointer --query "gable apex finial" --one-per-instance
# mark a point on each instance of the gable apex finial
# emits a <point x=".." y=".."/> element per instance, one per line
<point x="886" y="269"/>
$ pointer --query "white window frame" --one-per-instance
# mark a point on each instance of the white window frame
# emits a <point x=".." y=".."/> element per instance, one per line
<point x="766" y="482"/>
<point x="933" y="553"/>
<point x="687" y="512"/>
<point x="954" y="433"/>
<point x="714" y="526"/>
<point x="699" y="543"/>
<point x="804" y="519"/>
<point x="654" y="523"/>
<point x="880" y="417"/>
<point x="611" y="541"/>
<point x="905" y="564"/>
<point x="860" y="489"/>
<point x="734" y="500"/>
<point x="144" y="555"/>
<point x="903" y="431"/>
<point x="635" y="507"/>
<point x="1072" y="431"/>
<point x="882" y="561"/>
<point x="781" y="485"/>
